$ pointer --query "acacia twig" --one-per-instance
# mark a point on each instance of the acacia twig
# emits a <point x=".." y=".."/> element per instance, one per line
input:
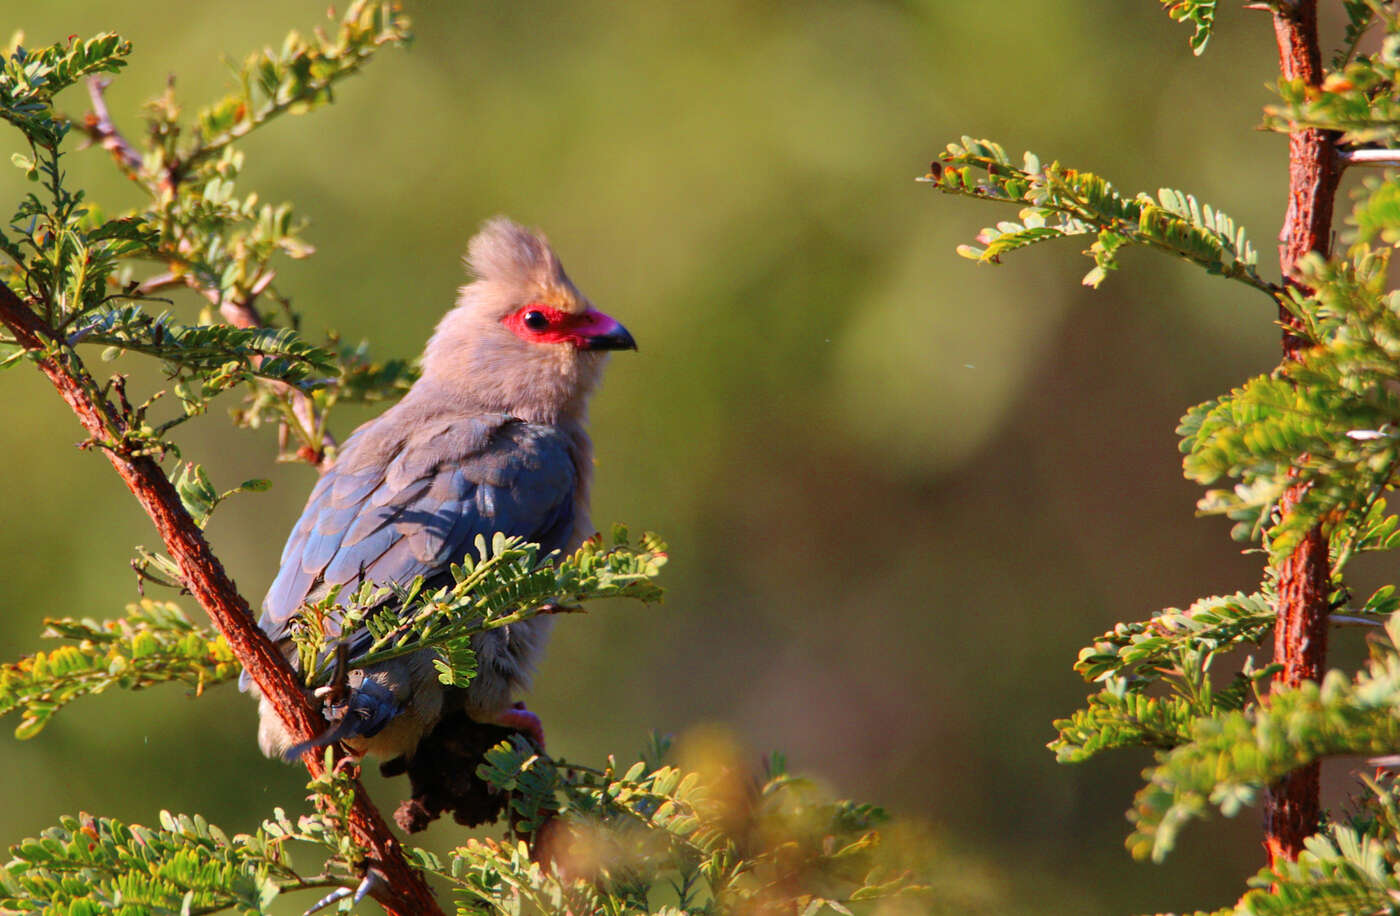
<point x="403" y="892"/>
<point x="241" y="313"/>
<point x="102" y="129"/>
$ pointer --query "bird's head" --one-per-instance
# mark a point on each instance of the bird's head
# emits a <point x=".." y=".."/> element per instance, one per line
<point x="522" y="338"/>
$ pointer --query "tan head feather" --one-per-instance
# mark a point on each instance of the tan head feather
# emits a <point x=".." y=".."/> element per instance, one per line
<point x="507" y="254"/>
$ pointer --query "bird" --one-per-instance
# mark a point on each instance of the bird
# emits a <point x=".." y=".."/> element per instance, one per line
<point x="490" y="438"/>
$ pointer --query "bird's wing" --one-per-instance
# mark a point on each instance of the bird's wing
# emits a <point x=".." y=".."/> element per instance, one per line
<point x="405" y="500"/>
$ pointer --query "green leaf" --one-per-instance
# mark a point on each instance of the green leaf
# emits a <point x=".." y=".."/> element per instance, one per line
<point x="29" y="79"/>
<point x="199" y="496"/>
<point x="196" y="492"/>
<point x="1200" y="13"/>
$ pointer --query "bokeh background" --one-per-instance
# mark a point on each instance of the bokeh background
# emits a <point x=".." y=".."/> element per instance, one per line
<point x="901" y="489"/>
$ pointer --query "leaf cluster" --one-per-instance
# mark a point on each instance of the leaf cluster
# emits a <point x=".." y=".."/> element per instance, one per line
<point x="1200" y="14"/>
<point x="1156" y="676"/>
<point x="1060" y="202"/>
<point x="1232" y="755"/>
<point x="1327" y="420"/>
<point x="154" y="644"/>
<point x="712" y="842"/>
<point x="29" y="79"/>
<point x="508" y="581"/>
<point x="89" y="865"/>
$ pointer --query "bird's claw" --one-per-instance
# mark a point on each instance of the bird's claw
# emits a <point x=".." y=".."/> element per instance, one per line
<point x="356" y="706"/>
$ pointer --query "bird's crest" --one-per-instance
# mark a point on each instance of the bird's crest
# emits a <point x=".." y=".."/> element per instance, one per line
<point x="506" y="253"/>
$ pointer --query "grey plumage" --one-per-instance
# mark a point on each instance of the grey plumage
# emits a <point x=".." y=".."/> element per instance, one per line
<point x="491" y="438"/>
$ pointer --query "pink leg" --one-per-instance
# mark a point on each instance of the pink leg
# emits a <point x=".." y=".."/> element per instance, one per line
<point x="522" y="720"/>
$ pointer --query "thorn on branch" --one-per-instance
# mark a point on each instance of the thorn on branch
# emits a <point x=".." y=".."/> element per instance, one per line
<point x="372" y="882"/>
<point x="118" y="383"/>
<point x="1346" y="620"/>
<point x="1373" y="157"/>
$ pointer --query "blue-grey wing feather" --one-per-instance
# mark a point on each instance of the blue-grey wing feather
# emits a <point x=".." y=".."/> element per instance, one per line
<point x="391" y="511"/>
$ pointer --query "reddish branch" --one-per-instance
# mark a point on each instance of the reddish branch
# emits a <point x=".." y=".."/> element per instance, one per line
<point x="1292" y="809"/>
<point x="402" y="891"/>
<point x="241" y="313"/>
<point x="100" y="127"/>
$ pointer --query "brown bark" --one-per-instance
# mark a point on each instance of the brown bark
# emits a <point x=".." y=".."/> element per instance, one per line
<point x="403" y="890"/>
<point x="1291" y="809"/>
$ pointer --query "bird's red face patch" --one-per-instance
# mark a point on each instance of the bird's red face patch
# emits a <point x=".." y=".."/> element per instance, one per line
<point x="590" y="330"/>
<point x="543" y="324"/>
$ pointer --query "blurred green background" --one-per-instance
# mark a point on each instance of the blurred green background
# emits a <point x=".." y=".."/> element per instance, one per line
<point x="901" y="490"/>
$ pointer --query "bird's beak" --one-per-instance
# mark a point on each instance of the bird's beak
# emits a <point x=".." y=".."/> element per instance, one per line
<point x="605" y="333"/>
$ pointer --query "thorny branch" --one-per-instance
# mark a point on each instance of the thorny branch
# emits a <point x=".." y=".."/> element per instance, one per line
<point x="1292" y="806"/>
<point x="402" y="892"/>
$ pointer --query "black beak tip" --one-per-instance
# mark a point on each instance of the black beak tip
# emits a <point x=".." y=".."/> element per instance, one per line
<point x="619" y="339"/>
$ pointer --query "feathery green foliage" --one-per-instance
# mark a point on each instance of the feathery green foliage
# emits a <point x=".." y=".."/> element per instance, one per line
<point x="1327" y="420"/>
<point x="90" y="865"/>
<point x="1229" y="756"/>
<point x="707" y="841"/>
<point x="195" y="224"/>
<point x="1062" y="202"/>
<point x="154" y="644"/>
<point x="510" y="582"/>
<point x="1312" y="444"/>
<point x="30" y="79"/>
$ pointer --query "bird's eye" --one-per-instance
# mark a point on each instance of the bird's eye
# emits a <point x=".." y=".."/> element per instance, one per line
<point x="536" y="320"/>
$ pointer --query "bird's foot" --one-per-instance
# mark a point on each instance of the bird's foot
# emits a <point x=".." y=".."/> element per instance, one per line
<point x="522" y="720"/>
<point x="355" y="707"/>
